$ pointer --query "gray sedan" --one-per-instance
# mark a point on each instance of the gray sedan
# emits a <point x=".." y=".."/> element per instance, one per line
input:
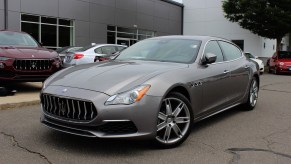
<point x="155" y="89"/>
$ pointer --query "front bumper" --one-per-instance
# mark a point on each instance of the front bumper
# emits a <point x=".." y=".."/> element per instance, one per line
<point x="138" y="120"/>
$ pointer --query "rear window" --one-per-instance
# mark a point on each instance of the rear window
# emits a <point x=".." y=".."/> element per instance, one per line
<point x="284" y="55"/>
<point x="230" y="51"/>
<point x="17" y="39"/>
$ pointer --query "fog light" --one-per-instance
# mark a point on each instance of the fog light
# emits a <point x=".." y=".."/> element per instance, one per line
<point x="2" y="65"/>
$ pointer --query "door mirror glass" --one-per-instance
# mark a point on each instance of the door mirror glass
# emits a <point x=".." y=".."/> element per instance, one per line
<point x="209" y="58"/>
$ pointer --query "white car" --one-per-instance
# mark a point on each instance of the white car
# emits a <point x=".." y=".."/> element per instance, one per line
<point x="255" y="58"/>
<point x="92" y="53"/>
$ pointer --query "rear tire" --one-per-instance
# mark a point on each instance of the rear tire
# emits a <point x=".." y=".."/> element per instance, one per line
<point x="175" y="120"/>
<point x="252" y="95"/>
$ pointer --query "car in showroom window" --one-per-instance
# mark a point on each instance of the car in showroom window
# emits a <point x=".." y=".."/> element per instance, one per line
<point x="23" y="59"/>
<point x="161" y="87"/>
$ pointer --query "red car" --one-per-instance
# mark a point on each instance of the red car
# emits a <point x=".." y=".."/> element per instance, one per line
<point x="280" y="62"/>
<point x="24" y="59"/>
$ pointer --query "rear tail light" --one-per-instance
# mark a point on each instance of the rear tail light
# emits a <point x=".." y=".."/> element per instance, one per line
<point x="78" y="56"/>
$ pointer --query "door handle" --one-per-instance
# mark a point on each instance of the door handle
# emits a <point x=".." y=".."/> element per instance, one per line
<point x="226" y="71"/>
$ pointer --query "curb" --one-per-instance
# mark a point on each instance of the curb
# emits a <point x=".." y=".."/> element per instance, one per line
<point x="19" y="104"/>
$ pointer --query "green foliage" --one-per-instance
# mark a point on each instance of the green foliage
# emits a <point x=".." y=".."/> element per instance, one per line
<point x="267" y="18"/>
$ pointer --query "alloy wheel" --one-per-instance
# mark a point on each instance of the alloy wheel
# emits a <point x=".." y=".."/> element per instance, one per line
<point x="254" y="91"/>
<point x="173" y="121"/>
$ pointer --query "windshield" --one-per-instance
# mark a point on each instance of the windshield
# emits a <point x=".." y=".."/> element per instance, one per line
<point x="284" y="55"/>
<point x="17" y="39"/>
<point x="166" y="50"/>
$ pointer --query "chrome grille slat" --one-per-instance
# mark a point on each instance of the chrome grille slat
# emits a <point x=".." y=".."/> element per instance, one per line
<point x="32" y="64"/>
<point x="67" y="108"/>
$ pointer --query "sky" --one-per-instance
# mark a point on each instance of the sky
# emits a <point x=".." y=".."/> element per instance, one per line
<point x="180" y="1"/>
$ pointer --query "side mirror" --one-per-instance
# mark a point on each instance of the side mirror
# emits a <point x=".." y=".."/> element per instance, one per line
<point x="274" y="57"/>
<point x="209" y="58"/>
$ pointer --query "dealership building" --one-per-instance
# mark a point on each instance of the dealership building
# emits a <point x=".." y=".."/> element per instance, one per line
<point x="59" y="23"/>
<point x="206" y="17"/>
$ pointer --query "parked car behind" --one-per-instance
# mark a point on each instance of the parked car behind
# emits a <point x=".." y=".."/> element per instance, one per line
<point x="24" y="59"/>
<point x="280" y="62"/>
<point x="257" y="60"/>
<point x="66" y="50"/>
<point x="92" y="53"/>
<point x="155" y="89"/>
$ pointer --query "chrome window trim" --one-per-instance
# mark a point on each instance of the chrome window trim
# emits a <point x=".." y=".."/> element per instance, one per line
<point x="221" y="51"/>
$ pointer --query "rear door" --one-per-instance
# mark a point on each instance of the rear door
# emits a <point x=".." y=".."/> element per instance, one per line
<point x="239" y="70"/>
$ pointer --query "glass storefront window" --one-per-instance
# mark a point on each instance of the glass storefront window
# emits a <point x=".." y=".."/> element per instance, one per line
<point x="127" y="36"/>
<point x="51" y="32"/>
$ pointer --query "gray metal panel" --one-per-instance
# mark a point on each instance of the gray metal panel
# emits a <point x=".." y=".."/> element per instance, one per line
<point x="161" y="10"/>
<point x="110" y="3"/>
<point x="1" y="19"/>
<point x="82" y="33"/>
<point x="1" y="4"/>
<point x="145" y="21"/>
<point x="175" y="13"/>
<point x="14" y="21"/>
<point x="41" y="7"/>
<point x="74" y="9"/>
<point x="145" y="6"/>
<point x="174" y="27"/>
<point x="14" y="5"/>
<point x="161" y="24"/>
<point x="125" y="18"/>
<point x="103" y="14"/>
<point x="126" y="4"/>
<point x="161" y="33"/>
<point x="98" y="33"/>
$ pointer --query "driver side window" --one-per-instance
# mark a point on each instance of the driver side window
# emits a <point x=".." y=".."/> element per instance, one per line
<point x="213" y="47"/>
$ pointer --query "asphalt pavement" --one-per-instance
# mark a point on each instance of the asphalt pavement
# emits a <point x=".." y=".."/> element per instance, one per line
<point x="235" y="136"/>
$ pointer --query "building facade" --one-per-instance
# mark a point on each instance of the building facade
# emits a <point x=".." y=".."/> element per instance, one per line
<point x="206" y="17"/>
<point x="59" y="23"/>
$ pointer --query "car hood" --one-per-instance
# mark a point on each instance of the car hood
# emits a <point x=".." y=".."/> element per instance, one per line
<point x="111" y="77"/>
<point x="27" y="52"/>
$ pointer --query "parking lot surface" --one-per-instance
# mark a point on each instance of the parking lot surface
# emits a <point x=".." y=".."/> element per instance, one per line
<point x="235" y="136"/>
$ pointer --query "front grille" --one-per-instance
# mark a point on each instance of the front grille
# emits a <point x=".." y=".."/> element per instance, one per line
<point x="70" y="109"/>
<point x="32" y="65"/>
<point x="124" y="127"/>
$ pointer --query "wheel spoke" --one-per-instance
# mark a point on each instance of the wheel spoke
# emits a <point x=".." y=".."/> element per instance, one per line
<point x="167" y="133"/>
<point x="178" y="109"/>
<point x="162" y="116"/>
<point x="168" y="107"/>
<point x="182" y="120"/>
<point x="177" y="130"/>
<point x="162" y="125"/>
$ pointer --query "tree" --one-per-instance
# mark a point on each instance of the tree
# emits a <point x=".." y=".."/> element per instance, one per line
<point x="267" y="18"/>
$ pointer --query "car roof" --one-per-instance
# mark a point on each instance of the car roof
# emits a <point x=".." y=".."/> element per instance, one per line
<point x="196" y="37"/>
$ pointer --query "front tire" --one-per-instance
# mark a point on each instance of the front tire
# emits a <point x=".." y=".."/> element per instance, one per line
<point x="252" y="95"/>
<point x="174" y="121"/>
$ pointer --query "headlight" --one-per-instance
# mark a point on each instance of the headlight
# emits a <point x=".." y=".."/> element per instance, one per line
<point x="4" y="58"/>
<point x="281" y="63"/>
<point x="128" y="97"/>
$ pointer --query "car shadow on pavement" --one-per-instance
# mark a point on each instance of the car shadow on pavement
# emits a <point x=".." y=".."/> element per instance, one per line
<point x="93" y="146"/>
<point x="217" y="118"/>
<point x="26" y="87"/>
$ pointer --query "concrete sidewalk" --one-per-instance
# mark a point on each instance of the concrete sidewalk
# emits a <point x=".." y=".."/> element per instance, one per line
<point x="27" y="94"/>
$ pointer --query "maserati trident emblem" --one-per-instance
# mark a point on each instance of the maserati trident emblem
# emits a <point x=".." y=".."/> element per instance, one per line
<point x="62" y="106"/>
<point x="33" y="64"/>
